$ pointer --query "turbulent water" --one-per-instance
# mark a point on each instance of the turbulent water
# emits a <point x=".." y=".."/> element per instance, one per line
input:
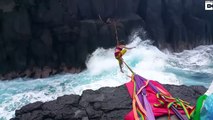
<point x="207" y="109"/>
<point x="190" y="67"/>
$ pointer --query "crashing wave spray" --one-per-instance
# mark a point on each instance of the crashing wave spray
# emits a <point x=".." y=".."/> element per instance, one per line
<point x="102" y="70"/>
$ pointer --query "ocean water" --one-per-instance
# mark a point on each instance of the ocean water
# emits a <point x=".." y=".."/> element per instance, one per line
<point x="190" y="67"/>
<point x="207" y="109"/>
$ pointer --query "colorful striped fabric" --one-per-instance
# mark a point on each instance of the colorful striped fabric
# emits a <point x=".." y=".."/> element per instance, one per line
<point x="151" y="99"/>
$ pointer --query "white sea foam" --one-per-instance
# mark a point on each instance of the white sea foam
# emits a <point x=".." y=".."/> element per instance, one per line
<point x="200" y="59"/>
<point x="102" y="70"/>
<point x="210" y="90"/>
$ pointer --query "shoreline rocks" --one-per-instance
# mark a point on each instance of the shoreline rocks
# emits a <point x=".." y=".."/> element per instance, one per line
<point x="39" y="72"/>
<point x="108" y="103"/>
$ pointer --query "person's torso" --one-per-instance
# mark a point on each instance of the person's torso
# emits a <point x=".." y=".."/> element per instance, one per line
<point x="118" y="49"/>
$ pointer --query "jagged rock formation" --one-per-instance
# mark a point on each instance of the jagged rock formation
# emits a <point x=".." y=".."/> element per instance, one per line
<point x="59" y="34"/>
<point x="104" y="104"/>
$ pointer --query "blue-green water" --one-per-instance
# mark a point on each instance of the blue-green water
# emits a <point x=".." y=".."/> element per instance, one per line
<point x="193" y="67"/>
<point x="207" y="110"/>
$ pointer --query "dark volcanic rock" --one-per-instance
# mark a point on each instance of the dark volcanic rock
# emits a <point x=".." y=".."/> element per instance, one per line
<point x="179" y="24"/>
<point x="29" y="108"/>
<point x="188" y="93"/>
<point x="39" y="33"/>
<point x="103" y="104"/>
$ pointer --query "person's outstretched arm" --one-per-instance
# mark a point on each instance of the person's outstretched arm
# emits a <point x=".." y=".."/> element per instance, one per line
<point x="129" y="47"/>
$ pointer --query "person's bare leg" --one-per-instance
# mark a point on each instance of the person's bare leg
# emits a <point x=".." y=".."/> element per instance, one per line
<point x="121" y="65"/>
<point x="121" y="68"/>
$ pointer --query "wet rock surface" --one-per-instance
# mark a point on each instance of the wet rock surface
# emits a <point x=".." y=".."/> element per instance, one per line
<point x="109" y="103"/>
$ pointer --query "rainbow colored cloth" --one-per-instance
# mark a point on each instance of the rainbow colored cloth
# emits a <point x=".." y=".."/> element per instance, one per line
<point x="150" y="100"/>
